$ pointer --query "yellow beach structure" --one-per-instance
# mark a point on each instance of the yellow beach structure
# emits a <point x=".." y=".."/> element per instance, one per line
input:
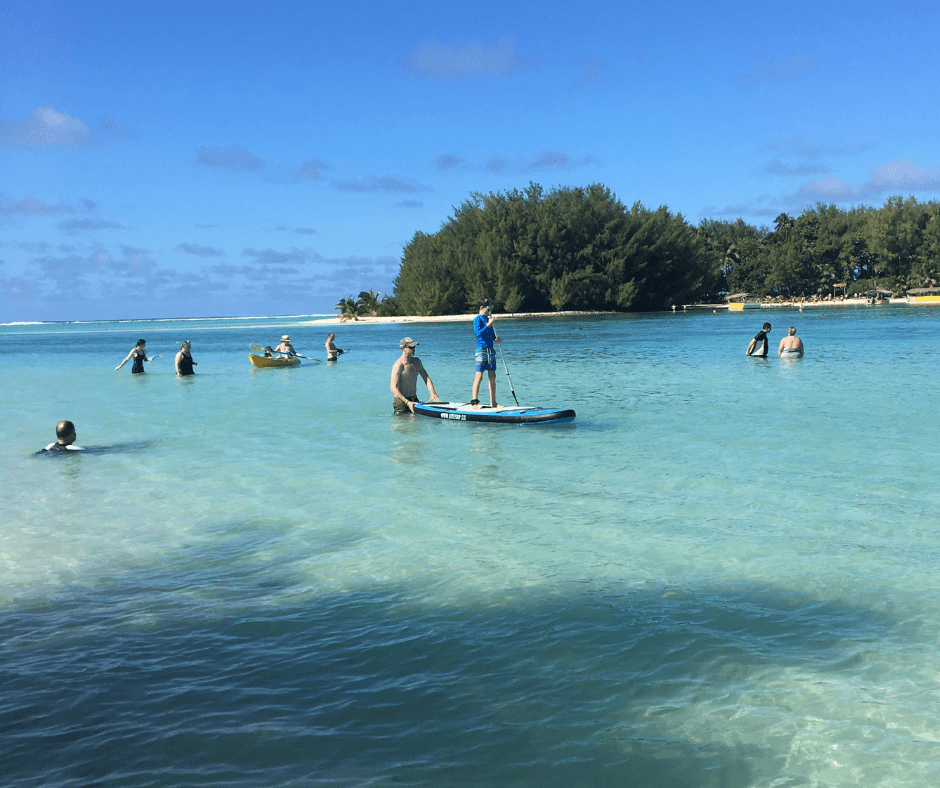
<point x="741" y="301"/>
<point x="923" y="296"/>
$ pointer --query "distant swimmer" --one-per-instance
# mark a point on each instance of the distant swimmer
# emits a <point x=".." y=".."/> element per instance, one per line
<point x="332" y="352"/>
<point x="405" y="373"/>
<point x="286" y="347"/>
<point x="758" y="345"/>
<point x="791" y="345"/>
<point x="65" y="434"/>
<point x="184" y="360"/>
<point x="139" y="354"/>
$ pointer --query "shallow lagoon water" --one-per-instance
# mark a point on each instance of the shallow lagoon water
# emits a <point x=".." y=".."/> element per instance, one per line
<point x="723" y="573"/>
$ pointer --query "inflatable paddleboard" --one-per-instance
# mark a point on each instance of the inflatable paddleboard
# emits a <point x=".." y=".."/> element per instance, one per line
<point x="459" y="411"/>
<point x="266" y="361"/>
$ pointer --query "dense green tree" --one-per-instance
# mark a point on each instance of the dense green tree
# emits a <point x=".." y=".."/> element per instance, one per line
<point x="581" y="248"/>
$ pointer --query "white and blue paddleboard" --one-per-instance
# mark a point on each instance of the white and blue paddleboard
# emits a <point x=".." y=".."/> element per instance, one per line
<point x="459" y="411"/>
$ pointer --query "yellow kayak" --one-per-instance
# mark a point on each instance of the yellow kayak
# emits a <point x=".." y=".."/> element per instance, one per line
<point x="272" y="361"/>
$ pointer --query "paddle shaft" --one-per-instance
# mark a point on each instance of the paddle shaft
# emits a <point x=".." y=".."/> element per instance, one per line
<point x="500" y="345"/>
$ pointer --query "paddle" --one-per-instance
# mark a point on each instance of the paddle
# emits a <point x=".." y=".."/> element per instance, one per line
<point x="499" y="344"/>
<point x="258" y="349"/>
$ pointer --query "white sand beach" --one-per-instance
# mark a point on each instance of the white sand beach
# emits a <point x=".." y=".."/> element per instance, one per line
<point x="361" y="321"/>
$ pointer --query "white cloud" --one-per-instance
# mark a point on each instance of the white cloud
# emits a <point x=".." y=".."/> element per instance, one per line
<point x="44" y="127"/>
<point x="893" y="177"/>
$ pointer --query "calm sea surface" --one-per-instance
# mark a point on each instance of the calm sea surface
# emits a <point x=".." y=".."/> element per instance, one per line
<point x="723" y="573"/>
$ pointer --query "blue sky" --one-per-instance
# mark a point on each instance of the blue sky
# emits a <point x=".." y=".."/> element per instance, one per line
<point x="204" y="159"/>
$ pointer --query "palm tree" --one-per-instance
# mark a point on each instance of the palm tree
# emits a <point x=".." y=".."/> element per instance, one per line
<point x="348" y="307"/>
<point x="369" y="302"/>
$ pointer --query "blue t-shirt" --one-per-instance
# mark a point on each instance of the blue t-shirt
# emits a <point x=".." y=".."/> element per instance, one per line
<point x="485" y="335"/>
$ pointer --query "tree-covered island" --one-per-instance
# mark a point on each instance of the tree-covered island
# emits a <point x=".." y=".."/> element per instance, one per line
<point x="580" y="248"/>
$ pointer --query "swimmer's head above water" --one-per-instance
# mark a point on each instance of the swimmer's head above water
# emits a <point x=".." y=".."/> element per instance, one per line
<point x="65" y="432"/>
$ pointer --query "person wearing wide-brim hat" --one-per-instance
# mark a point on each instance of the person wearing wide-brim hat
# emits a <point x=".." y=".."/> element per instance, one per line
<point x="405" y="373"/>
<point x="286" y="347"/>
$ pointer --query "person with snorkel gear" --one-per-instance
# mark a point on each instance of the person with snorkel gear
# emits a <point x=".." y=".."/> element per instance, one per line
<point x="485" y="353"/>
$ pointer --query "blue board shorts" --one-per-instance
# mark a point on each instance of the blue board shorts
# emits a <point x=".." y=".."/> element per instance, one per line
<point x="486" y="359"/>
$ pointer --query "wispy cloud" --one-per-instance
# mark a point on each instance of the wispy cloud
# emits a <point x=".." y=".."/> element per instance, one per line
<point x="455" y="61"/>
<point x="777" y="167"/>
<point x="77" y="225"/>
<point x="796" y="156"/>
<point x="299" y="230"/>
<point x="28" y="205"/>
<point x="590" y="74"/>
<point x="312" y="170"/>
<point x="386" y="184"/>
<point x="787" y="68"/>
<point x="447" y="162"/>
<point x="297" y="258"/>
<point x="797" y="146"/>
<point x="496" y="165"/>
<point x="231" y="158"/>
<point x="410" y="204"/>
<point x="44" y="127"/>
<point x="764" y="206"/>
<point x="555" y="160"/>
<point x="198" y="250"/>
<point x="893" y="177"/>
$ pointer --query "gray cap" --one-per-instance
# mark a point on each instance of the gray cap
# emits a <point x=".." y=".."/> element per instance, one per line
<point x="407" y="342"/>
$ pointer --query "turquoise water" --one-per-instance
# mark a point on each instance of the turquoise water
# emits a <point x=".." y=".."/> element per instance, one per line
<point x="723" y="573"/>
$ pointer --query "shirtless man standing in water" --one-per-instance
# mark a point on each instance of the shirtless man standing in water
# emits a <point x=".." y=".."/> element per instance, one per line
<point x="791" y="345"/>
<point x="405" y="378"/>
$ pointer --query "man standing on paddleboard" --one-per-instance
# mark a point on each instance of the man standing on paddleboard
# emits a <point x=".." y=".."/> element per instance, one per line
<point x="485" y="353"/>
<point x="405" y="373"/>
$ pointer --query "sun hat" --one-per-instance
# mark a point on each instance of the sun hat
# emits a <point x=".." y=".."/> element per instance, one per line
<point x="285" y="338"/>
<point x="407" y="342"/>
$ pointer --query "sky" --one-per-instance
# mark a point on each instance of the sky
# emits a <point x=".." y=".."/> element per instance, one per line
<point x="210" y="159"/>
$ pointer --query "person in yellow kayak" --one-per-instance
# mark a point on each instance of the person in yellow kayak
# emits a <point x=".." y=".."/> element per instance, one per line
<point x="286" y="347"/>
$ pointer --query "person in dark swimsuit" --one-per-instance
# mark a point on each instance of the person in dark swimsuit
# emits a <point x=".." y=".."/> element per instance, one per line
<point x="139" y="354"/>
<point x="184" y="360"/>
<point x="65" y="434"/>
